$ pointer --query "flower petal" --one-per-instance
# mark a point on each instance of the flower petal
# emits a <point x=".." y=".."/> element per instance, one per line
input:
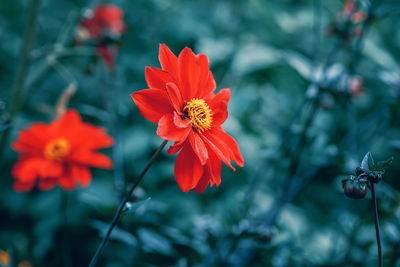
<point x="152" y="103"/>
<point x="90" y="158"/>
<point x="23" y="186"/>
<point x="32" y="140"/>
<point x="175" y="97"/>
<point x="214" y="166"/>
<point x="204" y="181"/>
<point x="219" y="106"/>
<point x="188" y="169"/>
<point x="188" y="72"/>
<point x="26" y="170"/>
<point x="82" y="174"/>
<point x="156" y="78"/>
<point x="230" y="144"/>
<point x="175" y="148"/>
<point x="169" y="131"/>
<point x="198" y="147"/>
<point x="219" y="147"/>
<point x="203" y="74"/>
<point x="67" y="182"/>
<point x="168" y="60"/>
<point x="47" y="184"/>
<point x="181" y="123"/>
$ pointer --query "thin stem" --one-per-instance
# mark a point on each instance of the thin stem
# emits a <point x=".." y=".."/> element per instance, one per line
<point x="122" y="205"/>
<point x="24" y="61"/>
<point x="378" y="238"/>
<point x="65" y="239"/>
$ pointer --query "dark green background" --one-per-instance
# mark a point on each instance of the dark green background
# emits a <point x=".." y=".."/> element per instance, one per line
<point x="263" y="51"/>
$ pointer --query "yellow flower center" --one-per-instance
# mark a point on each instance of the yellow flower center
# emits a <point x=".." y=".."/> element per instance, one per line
<point x="199" y="114"/>
<point x="56" y="149"/>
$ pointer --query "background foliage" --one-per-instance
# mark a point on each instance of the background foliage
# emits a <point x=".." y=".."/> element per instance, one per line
<point x="298" y="127"/>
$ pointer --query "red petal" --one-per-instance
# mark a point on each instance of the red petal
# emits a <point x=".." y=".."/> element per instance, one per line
<point x="26" y="170"/>
<point x="69" y="120"/>
<point x="219" y="106"/>
<point x="82" y="174"/>
<point x="181" y="123"/>
<point x="108" y="12"/>
<point x="152" y="103"/>
<point x="198" y="147"/>
<point x="168" y="130"/>
<point x="168" y="61"/>
<point x="231" y="144"/>
<point x="219" y="147"/>
<point x="204" y="181"/>
<point x="67" y="182"/>
<point x="210" y="85"/>
<point x="47" y="184"/>
<point x="188" y="71"/>
<point x="156" y="78"/>
<point x="90" y="137"/>
<point x="175" y="148"/>
<point x="32" y="140"/>
<point x="203" y="74"/>
<point x="214" y="166"/>
<point x="188" y="169"/>
<point x="175" y="97"/>
<point x="90" y="158"/>
<point x="23" y="186"/>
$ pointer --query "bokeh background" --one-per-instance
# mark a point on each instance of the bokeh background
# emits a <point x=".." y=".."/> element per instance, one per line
<point x="311" y="95"/>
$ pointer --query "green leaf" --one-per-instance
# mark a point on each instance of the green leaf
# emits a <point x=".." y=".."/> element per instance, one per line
<point x="382" y="165"/>
<point x="368" y="162"/>
<point x="116" y="234"/>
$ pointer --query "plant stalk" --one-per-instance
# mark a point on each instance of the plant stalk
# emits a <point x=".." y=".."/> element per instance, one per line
<point x="23" y="66"/>
<point x="378" y="238"/>
<point x="122" y="205"/>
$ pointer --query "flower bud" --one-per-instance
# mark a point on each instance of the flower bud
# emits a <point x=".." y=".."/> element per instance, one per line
<point x="354" y="189"/>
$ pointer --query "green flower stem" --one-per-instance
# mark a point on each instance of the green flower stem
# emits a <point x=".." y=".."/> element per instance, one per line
<point x="122" y="205"/>
<point x="378" y="238"/>
<point x="24" y="62"/>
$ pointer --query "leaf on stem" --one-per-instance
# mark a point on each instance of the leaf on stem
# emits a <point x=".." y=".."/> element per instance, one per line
<point x="382" y="166"/>
<point x="368" y="162"/>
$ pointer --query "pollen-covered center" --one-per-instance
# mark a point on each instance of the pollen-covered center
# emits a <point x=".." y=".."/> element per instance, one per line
<point x="56" y="149"/>
<point x="199" y="114"/>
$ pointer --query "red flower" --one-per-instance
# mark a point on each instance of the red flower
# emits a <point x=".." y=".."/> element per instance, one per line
<point x="59" y="153"/>
<point x="349" y="9"/>
<point x="104" y="25"/>
<point x="106" y="19"/>
<point x="182" y="101"/>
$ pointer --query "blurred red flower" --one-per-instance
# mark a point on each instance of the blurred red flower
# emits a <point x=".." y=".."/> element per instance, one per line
<point x="349" y="9"/>
<point x="104" y="24"/>
<point x="182" y="101"/>
<point x="105" y="20"/>
<point x="59" y="153"/>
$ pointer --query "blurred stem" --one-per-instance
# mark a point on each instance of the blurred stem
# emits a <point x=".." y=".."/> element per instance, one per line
<point x="22" y="70"/>
<point x="122" y="205"/>
<point x="65" y="240"/>
<point x="23" y="66"/>
<point x="378" y="238"/>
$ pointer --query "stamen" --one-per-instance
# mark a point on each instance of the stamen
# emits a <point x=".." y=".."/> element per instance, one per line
<point x="199" y="114"/>
<point x="56" y="149"/>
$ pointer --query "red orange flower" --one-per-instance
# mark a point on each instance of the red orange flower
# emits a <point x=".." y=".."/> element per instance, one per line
<point x="59" y="153"/>
<point x="104" y="25"/>
<point x="105" y="20"/>
<point x="182" y="101"/>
